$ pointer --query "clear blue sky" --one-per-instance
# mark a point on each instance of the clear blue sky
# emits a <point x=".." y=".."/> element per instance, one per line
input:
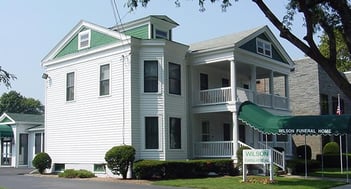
<point x="30" y="29"/>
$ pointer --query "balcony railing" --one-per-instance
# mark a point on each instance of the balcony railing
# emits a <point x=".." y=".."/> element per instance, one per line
<point x="213" y="149"/>
<point x="223" y="95"/>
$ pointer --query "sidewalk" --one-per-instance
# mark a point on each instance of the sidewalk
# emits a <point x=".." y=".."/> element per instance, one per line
<point x="347" y="186"/>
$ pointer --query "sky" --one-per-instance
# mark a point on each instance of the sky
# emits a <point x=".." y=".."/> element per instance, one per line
<point x="30" y="29"/>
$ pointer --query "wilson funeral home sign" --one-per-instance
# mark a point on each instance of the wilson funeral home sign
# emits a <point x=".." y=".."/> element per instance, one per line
<point x="258" y="156"/>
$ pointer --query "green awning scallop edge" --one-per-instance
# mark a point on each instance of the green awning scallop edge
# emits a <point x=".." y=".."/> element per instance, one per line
<point x="267" y="123"/>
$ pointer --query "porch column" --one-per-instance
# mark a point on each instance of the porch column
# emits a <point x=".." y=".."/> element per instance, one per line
<point x="233" y="83"/>
<point x="253" y="83"/>
<point x="235" y="135"/>
<point x="287" y="90"/>
<point x="271" y="88"/>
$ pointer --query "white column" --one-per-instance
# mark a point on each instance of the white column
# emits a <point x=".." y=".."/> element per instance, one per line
<point x="233" y="82"/>
<point x="271" y="87"/>
<point x="287" y="94"/>
<point x="235" y="135"/>
<point x="253" y="83"/>
<point x="234" y="111"/>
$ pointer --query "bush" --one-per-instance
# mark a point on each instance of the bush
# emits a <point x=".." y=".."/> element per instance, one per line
<point x="41" y="162"/>
<point x="239" y="155"/>
<point x="331" y="148"/>
<point x="119" y="158"/>
<point x="300" y="152"/>
<point x="153" y="169"/>
<point x="298" y="165"/>
<point x="71" y="173"/>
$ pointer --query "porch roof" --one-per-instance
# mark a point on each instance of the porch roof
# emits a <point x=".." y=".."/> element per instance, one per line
<point x="267" y="123"/>
<point x="5" y="131"/>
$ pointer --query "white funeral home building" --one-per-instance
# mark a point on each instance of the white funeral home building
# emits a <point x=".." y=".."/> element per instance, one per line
<point x="132" y="84"/>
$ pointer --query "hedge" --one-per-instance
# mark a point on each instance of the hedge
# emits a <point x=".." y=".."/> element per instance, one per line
<point x="154" y="169"/>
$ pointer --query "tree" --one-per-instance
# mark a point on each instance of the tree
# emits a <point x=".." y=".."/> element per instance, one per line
<point x="119" y="158"/>
<point x="324" y="15"/>
<point x="5" y="77"/>
<point x="343" y="57"/>
<point x="14" y="102"/>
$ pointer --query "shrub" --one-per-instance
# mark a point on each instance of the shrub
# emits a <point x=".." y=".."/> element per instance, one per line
<point x="239" y="155"/>
<point x="331" y="148"/>
<point x="41" y="162"/>
<point x="119" y="158"/>
<point x="300" y="152"/>
<point x="71" y="173"/>
<point x="298" y="165"/>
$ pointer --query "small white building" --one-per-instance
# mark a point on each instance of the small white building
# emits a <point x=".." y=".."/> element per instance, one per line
<point x="22" y="136"/>
<point x="132" y="84"/>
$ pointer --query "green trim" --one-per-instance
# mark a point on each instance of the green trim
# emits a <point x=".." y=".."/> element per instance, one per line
<point x="268" y="123"/>
<point x="6" y="120"/>
<point x="96" y="39"/>
<point x="141" y="32"/>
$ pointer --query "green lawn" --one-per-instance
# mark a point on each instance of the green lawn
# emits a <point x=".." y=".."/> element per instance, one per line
<point x="235" y="183"/>
<point x="332" y="173"/>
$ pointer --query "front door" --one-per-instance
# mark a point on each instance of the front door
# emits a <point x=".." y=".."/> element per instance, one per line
<point x="6" y="151"/>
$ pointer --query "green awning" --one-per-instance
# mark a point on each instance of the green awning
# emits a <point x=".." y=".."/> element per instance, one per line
<point x="268" y="123"/>
<point x="5" y="131"/>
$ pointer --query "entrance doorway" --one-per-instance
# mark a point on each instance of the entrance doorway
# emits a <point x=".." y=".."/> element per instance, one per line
<point x="6" y="151"/>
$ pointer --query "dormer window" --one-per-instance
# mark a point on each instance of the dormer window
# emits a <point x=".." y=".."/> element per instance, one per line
<point x="264" y="47"/>
<point x="161" y="34"/>
<point x="84" y="39"/>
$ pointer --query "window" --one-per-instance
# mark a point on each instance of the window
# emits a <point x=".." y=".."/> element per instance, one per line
<point x="70" y="86"/>
<point x="175" y="133"/>
<point x="174" y="79"/>
<point x="324" y="104"/>
<point x="84" y="39"/>
<point x="205" y="131"/>
<point x="225" y="82"/>
<point x="105" y="79"/>
<point x="59" y="167"/>
<point x="203" y="81"/>
<point x="23" y="149"/>
<point x="99" y="168"/>
<point x="226" y="132"/>
<point x="151" y="76"/>
<point x="161" y="34"/>
<point x="264" y="47"/>
<point x="39" y="142"/>
<point x="151" y="132"/>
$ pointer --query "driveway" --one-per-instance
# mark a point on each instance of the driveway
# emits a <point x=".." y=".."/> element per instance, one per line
<point x="14" y="179"/>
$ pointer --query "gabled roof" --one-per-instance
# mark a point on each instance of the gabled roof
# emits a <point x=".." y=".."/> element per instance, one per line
<point x="236" y="40"/>
<point x="13" y="118"/>
<point x="75" y="31"/>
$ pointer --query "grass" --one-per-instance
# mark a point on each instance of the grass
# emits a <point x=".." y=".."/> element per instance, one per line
<point x="331" y="172"/>
<point x="236" y="183"/>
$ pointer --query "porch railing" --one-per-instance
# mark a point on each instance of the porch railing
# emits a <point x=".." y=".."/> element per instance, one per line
<point x="213" y="149"/>
<point x="223" y="95"/>
<point x="278" y="157"/>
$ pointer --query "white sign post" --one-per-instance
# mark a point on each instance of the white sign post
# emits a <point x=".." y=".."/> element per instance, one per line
<point x="258" y="156"/>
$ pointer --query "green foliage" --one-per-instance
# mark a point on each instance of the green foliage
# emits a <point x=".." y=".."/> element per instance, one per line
<point x="5" y="77"/>
<point x="239" y="155"/>
<point x="14" y="102"/>
<point x="71" y="173"/>
<point x="300" y="152"/>
<point x="298" y="165"/>
<point x="331" y="148"/>
<point x="151" y="169"/>
<point x="41" y="162"/>
<point x="119" y="158"/>
<point x="343" y="57"/>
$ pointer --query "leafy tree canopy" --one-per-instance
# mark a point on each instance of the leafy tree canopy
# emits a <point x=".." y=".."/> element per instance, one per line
<point x="327" y="16"/>
<point x="14" y="102"/>
<point x="5" y="77"/>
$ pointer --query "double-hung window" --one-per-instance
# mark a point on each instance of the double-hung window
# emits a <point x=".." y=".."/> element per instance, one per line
<point x="151" y="76"/>
<point x="70" y="86"/>
<point x="104" y="79"/>
<point x="264" y="47"/>
<point x="39" y="142"/>
<point x="175" y="133"/>
<point x="174" y="79"/>
<point x="84" y="39"/>
<point x="151" y="133"/>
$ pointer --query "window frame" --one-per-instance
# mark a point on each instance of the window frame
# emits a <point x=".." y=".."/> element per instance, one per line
<point x="161" y="34"/>
<point x="148" y="137"/>
<point x="97" y="168"/>
<point x="80" y="40"/>
<point x="41" y="142"/>
<point x="70" y="88"/>
<point x="266" y="47"/>
<point x="177" y="81"/>
<point x="177" y="139"/>
<point x="102" y="80"/>
<point x="151" y="78"/>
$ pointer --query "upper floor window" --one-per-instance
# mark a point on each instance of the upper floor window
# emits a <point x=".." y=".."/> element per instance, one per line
<point x="264" y="47"/>
<point x="151" y="76"/>
<point x="70" y="86"/>
<point x="104" y="79"/>
<point x="84" y="39"/>
<point x="159" y="34"/>
<point x="174" y="78"/>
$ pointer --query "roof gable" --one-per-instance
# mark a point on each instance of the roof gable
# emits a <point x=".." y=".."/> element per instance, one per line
<point x="99" y="36"/>
<point x="13" y="118"/>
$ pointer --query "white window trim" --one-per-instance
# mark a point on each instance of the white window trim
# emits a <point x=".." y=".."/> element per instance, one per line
<point x="75" y="87"/>
<point x="110" y="85"/>
<point x="160" y="133"/>
<point x="264" y="48"/>
<point x="79" y="39"/>
<point x="159" y="77"/>
<point x="181" y="134"/>
<point x="181" y="80"/>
